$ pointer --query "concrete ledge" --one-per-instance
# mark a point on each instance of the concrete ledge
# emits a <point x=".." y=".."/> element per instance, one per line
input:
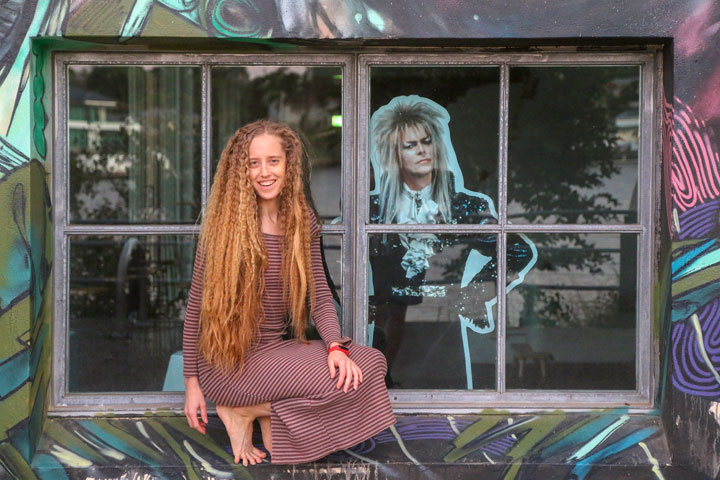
<point x="597" y="445"/>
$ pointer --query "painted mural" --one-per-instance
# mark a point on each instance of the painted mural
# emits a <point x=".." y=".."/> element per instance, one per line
<point x="501" y="446"/>
<point x="692" y="123"/>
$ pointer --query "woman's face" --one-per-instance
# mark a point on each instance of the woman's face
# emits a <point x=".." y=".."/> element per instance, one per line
<point x="267" y="162"/>
<point x="416" y="153"/>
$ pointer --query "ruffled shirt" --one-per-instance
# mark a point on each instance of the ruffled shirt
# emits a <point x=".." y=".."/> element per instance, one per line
<point x="417" y="206"/>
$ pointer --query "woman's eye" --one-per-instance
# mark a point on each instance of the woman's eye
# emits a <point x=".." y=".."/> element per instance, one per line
<point x="407" y="145"/>
<point x="254" y="163"/>
<point x="427" y="140"/>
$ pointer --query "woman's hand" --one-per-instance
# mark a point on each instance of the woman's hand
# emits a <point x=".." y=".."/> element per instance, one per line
<point x="347" y="371"/>
<point x="194" y="400"/>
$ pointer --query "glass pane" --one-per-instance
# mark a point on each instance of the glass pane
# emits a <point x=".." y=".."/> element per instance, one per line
<point x="127" y="297"/>
<point x="433" y="140"/>
<point x="332" y="263"/>
<point x="431" y="309"/>
<point x="134" y="144"/>
<point x="309" y="99"/>
<point x="573" y="144"/>
<point x="571" y="323"/>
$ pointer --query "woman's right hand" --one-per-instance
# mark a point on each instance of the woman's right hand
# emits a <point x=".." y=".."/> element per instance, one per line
<point x="194" y="400"/>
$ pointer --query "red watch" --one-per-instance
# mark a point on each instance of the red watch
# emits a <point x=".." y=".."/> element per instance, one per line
<point x="341" y="348"/>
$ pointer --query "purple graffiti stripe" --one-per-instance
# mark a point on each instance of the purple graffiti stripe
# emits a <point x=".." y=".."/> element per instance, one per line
<point x="500" y="446"/>
<point x="437" y="429"/>
<point x="691" y="373"/>
<point x="695" y="169"/>
<point x="700" y="221"/>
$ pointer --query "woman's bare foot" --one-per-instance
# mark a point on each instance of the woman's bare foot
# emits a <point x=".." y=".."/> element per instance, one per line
<point x="266" y="432"/>
<point x="238" y="423"/>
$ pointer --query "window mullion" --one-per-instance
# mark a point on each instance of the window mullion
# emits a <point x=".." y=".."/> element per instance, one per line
<point x="205" y="147"/>
<point x="349" y="195"/>
<point x="60" y="174"/>
<point x="362" y="187"/>
<point x="502" y="213"/>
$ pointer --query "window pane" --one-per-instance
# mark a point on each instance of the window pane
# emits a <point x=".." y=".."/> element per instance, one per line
<point x="332" y="259"/>
<point x="309" y="99"/>
<point x="427" y="293"/>
<point x="134" y="144"/>
<point x="127" y="297"/>
<point x="433" y="142"/>
<point x="571" y="323"/>
<point x="573" y="144"/>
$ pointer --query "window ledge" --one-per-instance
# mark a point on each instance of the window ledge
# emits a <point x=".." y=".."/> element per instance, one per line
<point x="612" y="444"/>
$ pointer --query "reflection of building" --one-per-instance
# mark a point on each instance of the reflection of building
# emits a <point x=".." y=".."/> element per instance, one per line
<point x="628" y="125"/>
<point x="95" y="118"/>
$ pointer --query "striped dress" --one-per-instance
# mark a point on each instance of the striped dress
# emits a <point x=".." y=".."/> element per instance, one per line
<point x="310" y="417"/>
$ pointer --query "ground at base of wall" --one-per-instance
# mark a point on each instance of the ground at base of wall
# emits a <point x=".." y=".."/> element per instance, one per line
<point x="592" y="446"/>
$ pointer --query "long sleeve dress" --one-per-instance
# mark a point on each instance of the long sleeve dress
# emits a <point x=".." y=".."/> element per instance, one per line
<point x="310" y="417"/>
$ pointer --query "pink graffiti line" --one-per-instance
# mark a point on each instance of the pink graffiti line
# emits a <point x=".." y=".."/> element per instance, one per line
<point x="695" y="169"/>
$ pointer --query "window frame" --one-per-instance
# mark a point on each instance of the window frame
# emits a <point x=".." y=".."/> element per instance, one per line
<point x="354" y="229"/>
<point x="648" y="149"/>
<point x="64" y="400"/>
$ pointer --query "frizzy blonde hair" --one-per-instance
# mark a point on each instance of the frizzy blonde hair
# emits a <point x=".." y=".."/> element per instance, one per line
<point x="235" y="255"/>
<point x="388" y="124"/>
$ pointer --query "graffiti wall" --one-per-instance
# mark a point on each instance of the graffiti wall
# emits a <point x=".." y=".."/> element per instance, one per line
<point x="690" y="393"/>
<point x="499" y="446"/>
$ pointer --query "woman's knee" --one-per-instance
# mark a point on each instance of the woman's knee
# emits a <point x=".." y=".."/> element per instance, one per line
<point x="374" y="361"/>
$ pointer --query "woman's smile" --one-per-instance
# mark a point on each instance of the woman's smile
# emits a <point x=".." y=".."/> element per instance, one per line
<point x="267" y="162"/>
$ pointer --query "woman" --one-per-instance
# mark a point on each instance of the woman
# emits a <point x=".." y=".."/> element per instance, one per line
<point x="258" y="265"/>
<point x="419" y="181"/>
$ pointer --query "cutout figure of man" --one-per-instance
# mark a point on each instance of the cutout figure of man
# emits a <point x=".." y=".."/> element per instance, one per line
<point x="418" y="181"/>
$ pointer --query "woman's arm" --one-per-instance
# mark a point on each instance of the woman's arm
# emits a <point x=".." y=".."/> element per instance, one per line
<point x="323" y="312"/>
<point x="194" y="398"/>
<point x="191" y="329"/>
<point x="325" y="317"/>
<point x="194" y="401"/>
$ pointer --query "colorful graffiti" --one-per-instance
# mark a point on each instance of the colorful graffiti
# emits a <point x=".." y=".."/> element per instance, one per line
<point x="695" y="172"/>
<point x="500" y="446"/>
<point x="693" y="208"/>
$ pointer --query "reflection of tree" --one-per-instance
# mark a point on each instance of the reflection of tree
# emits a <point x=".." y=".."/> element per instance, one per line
<point x="305" y="98"/>
<point x="563" y="140"/>
<point x="95" y="191"/>
<point x="132" y="158"/>
<point x="562" y="150"/>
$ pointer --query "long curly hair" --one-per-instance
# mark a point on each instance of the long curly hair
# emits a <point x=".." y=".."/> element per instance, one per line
<point x="235" y="255"/>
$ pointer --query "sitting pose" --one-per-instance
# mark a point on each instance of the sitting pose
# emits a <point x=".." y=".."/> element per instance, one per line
<point x="257" y="270"/>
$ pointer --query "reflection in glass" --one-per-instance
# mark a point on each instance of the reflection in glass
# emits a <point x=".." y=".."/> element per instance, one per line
<point x="573" y="144"/>
<point x="134" y="144"/>
<point x="469" y="97"/>
<point x="307" y="98"/>
<point x="427" y="293"/>
<point x="572" y="323"/>
<point x="127" y="297"/>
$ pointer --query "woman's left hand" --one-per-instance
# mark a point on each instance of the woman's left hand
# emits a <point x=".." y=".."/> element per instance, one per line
<point x="347" y="371"/>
